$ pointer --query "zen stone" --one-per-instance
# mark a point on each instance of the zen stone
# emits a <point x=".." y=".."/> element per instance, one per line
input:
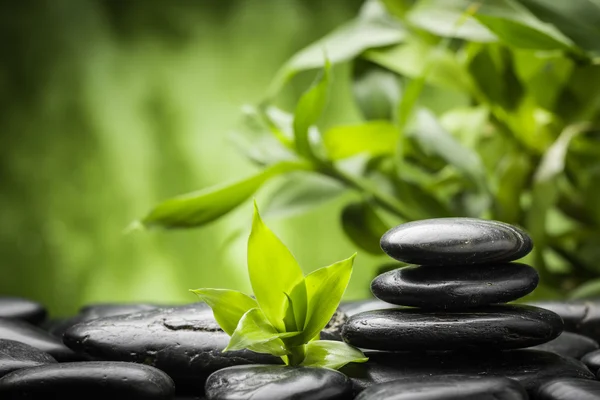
<point x="579" y="316"/>
<point x="456" y="241"/>
<point x="277" y="382"/>
<point x="88" y="380"/>
<point x="569" y="345"/>
<point x="17" y="355"/>
<point x="22" y="309"/>
<point x="36" y="337"/>
<point x="569" y="389"/>
<point x="530" y="368"/>
<point x="492" y="327"/>
<point x="447" y="387"/>
<point x="457" y="287"/>
<point x="592" y="360"/>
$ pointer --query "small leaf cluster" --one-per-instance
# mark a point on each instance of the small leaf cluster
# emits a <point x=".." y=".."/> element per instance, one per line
<point x="289" y="310"/>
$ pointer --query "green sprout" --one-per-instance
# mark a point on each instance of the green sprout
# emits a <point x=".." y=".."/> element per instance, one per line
<point x="289" y="311"/>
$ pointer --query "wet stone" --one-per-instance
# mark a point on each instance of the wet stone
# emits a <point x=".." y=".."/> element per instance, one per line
<point x="22" y="309"/>
<point x="491" y="327"/>
<point x="456" y="241"/>
<point x="277" y="382"/>
<point x="88" y="380"/>
<point x="36" y="337"/>
<point x="569" y="345"/>
<point x="333" y="329"/>
<point x="447" y="387"/>
<point x="592" y="360"/>
<point x="569" y="389"/>
<point x="17" y="355"/>
<point x="530" y="368"/>
<point x="579" y="316"/>
<point x="455" y="287"/>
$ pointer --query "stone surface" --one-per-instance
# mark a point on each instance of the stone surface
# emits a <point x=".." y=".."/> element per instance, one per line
<point x="456" y="241"/>
<point x="529" y="367"/>
<point x="579" y="316"/>
<point x="569" y="344"/>
<point x="88" y="380"/>
<point x="569" y="389"/>
<point x="185" y="342"/>
<point x="22" y="309"/>
<point x="351" y="308"/>
<point x="447" y="387"/>
<point x="592" y="360"/>
<point x="464" y="286"/>
<point x="492" y="327"/>
<point x="270" y="382"/>
<point x="36" y="337"/>
<point x="17" y="355"/>
<point x="333" y="329"/>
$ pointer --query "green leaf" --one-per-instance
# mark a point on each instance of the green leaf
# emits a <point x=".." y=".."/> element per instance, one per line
<point x="309" y="109"/>
<point x="273" y="273"/>
<point x="587" y="290"/>
<point x="228" y="306"/>
<point x="254" y="332"/>
<point x="468" y="125"/>
<point x="376" y="92"/>
<point x="325" y="288"/>
<point x="301" y="192"/>
<point x="199" y="208"/>
<point x="331" y="354"/>
<point x="363" y="226"/>
<point x="373" y="138"/>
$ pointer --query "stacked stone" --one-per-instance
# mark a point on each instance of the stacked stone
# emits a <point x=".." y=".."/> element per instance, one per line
<point x="455" y="292"/>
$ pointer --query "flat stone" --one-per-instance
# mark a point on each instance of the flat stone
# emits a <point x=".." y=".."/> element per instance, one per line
<point x="186" y="342"/>
<point x="592" y="360"/>
<point x="579" y="316"/>
<point x="277" y="382"/>
<point x="24" y="332"/>
<point x="351" y="308"/>
<point x="491" y="327"/>
<point x="17" y="355"/>
<point x="569" y="389"/>
<point x="530" y="368"/>
<point x="464" y="286"/>
<point x="456" y="241"/>
<point x="88" y="380"/>
<point x="22" y="309"/>
<point x="569" y="344"/>
<point x="447" y="387"/>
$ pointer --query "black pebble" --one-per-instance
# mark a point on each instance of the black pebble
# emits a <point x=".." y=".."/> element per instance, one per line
<point x="569" y="344"/>
<point x="569" y="389"/>
<point x="22" y="309"/>
<point x="592" y="360"/>
<point x="17" y="355"/>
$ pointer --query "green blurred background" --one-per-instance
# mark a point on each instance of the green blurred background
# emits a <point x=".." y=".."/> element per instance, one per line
<point x="108" y="107"/>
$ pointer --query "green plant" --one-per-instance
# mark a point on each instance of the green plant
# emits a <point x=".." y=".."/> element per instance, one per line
<point x="482" y="108"/>
<point x="289" y="311"/>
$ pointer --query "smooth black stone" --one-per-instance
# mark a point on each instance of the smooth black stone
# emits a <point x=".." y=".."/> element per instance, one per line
<point x="492" y="327"/>
<point x="333" y="329"/>
<point x="268" y="382"/>
<point x="447" y="387"/>
<point x="351" y="308"/>
<point x="569" y="389"/>
<point x="23" y="332"/>
<point x="579" y="316"/>
<point x="88" y="380"/>
<point x="592" y="360"/>
<point x="186" y="342"/>
<point x="569" y="344"/>
<point x="456" y="241"/>
<point x="17" y="355"/>
<point x="22" y="309"/>
<point x="462" y="286"/>
<point x="530" y="368"/>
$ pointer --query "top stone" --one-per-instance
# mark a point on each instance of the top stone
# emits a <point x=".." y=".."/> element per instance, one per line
<point x="456" y="241"/>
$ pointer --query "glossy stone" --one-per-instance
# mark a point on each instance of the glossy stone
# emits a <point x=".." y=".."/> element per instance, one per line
<point x="36" y="337"/>
<point x="270" y="382"/>
<point x="569" y="344"/>
<point x="491" y="327"/>
<point x="17" y="355"/>
<point x="592" y="360"/>
<point x="463" y="286"/>
<point x="579" y="316"/>
<point x="333" y="329"/>
<point x="529" y="367"/>
<point x="185" y="342"/>
<point x="569" y="389"/>
<point x="22" y="309"/>
<point x="447" y="387"/>
<point x="456" y="241"/>
<point x="88" y="380"/>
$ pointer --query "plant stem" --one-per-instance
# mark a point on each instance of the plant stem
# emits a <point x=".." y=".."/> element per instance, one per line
<point x="297" y="355"/>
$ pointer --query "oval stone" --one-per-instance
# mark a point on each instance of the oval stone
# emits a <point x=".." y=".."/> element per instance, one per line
<point x="592" y="360"/>
<point x="569" y="389"/>
<point x="434" y="286"/>
<point x="277" y="382"/>
<point x="98" y="379"/>
<point x="447" y="387"/>
<point x="456" y="241"/>
<point x="491" y="327"/>
<point x="22" y="309"/>
<point x="579" y="316"/>
<point x="569" y="344"/>
<point x="17" y="355"/>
